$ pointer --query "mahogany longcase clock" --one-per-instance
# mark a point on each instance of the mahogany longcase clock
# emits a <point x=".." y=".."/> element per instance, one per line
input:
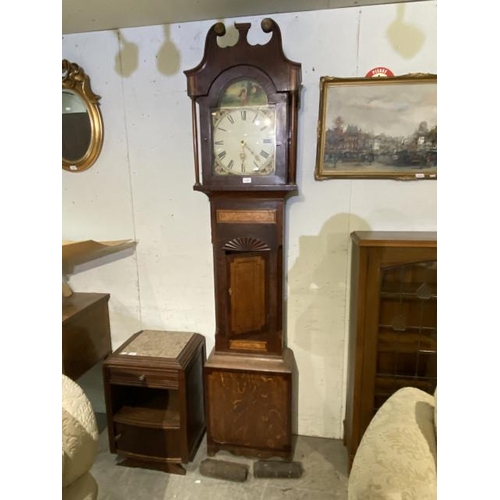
<point x="245" y="102"/>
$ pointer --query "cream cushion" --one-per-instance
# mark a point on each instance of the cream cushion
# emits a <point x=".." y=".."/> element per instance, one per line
<point x="84" y="488"/>
<point x="79" y="438"/>
<point x="396" y="459"/>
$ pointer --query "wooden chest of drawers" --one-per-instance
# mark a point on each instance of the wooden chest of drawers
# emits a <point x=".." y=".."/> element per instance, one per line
<point x="86" y="337"/>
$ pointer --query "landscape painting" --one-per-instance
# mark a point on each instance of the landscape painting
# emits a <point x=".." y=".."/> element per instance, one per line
<point x="378" y="128"/>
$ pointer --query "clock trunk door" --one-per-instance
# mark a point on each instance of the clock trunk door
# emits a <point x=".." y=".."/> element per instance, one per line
<point x="248" y="283"/>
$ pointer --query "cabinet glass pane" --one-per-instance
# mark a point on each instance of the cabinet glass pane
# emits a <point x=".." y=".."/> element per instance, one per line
<point x="407" y="329"/>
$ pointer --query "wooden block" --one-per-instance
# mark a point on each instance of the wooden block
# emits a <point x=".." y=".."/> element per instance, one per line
<point x="277" y="468"/>
<point x="221" y="469"/>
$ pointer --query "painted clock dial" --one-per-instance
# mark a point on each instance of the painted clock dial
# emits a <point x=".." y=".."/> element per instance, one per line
<point x="244" y="130"/>
<point x="244" y="140"/>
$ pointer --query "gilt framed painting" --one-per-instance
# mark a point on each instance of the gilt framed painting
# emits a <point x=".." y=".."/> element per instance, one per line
<point x="377" y="128"/>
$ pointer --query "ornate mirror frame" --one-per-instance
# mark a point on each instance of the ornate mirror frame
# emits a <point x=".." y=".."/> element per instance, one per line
<point x="75" y="79"/>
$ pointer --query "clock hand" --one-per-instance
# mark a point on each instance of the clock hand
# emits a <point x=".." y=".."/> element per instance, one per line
<point x="242" y="156"/>
<point x="257" y="157"/>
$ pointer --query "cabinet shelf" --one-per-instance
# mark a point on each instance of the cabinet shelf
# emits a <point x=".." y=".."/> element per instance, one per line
<point x="405" y="296"/>
<point x="405" y="350"/>
<point x="153" y="418"/>
<point x="406" y="378"/>
<point x="408" y="291"/>
<point x="386" y="385"/>
<point x="407" y="341"/>
<point x="418" y="329"/>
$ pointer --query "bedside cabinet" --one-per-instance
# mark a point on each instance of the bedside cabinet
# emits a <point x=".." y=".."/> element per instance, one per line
<point x="153" y="388"/>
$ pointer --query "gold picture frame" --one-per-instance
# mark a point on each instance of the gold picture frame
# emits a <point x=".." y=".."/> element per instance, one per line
<point x="377" y="128"/>
<point x="82" y="134"/>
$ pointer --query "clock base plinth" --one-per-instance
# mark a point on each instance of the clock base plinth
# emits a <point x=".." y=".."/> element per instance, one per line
<point x="249" y="404"/>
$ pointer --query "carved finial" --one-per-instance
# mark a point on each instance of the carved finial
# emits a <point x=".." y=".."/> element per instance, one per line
<point x="267" y="25"/>
<point x="73" y="76"/>
<point x="220" y="29"/>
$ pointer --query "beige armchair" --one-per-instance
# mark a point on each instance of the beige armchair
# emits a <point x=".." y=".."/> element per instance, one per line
<point x="396" y="458"/>
<point x="79" y="443"/>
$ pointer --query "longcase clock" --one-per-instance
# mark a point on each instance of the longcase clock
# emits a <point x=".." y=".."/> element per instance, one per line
<point x="245" y="102"/>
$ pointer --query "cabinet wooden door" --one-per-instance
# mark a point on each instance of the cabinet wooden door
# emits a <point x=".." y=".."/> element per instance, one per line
<point x="393" y="323"/>
<point x="247" y="293"/>
<point x="249" y="404"/>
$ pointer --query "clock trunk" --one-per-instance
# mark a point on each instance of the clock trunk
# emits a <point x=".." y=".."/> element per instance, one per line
<point x="247" y="237"/>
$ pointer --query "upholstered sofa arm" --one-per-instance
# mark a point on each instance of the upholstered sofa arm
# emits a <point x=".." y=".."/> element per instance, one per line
<point x="79" y="433"/>
<point x="396" y="458"/>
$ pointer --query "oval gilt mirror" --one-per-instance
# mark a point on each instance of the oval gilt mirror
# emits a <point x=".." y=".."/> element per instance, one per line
<point x="82" y="130"/>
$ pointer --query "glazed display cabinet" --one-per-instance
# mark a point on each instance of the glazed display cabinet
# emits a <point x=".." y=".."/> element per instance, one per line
<point x="393" y="322"/>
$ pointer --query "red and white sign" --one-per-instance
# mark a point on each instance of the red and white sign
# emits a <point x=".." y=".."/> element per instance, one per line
<point x="379" y="72"/>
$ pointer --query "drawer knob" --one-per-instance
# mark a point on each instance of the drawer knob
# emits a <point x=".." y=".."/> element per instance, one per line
<point x="142" y="377"/>
<point x="118" y="436"/>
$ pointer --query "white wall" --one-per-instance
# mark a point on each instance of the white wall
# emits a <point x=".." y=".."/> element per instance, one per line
<point x="141" y="185"/>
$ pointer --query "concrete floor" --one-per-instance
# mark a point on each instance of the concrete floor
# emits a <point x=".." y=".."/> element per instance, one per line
<point x="324" y="462"/>
<point x="324" y="478"/>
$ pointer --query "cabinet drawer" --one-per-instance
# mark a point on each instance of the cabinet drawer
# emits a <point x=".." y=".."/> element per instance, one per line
<point x="142" y="378"/>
